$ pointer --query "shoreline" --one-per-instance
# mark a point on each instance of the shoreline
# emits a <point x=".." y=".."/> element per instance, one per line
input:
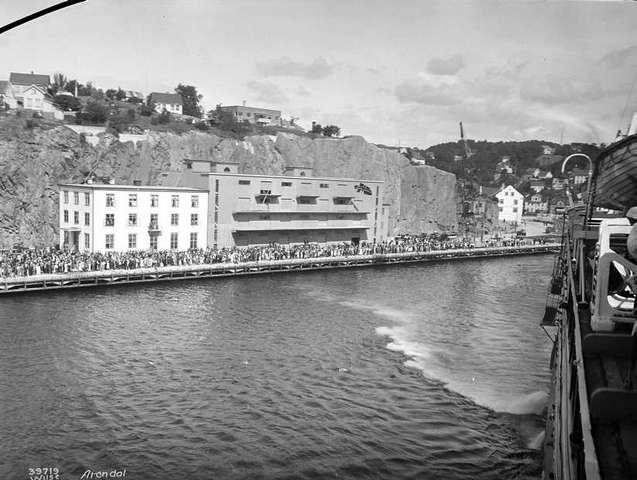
<point x="59" y="281"/>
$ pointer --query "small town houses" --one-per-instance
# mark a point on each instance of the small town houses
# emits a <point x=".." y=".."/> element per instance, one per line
<point x="29" y="91"/>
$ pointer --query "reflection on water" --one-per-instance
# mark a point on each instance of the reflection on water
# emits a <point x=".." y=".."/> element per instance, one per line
<point x="420" y="371"/>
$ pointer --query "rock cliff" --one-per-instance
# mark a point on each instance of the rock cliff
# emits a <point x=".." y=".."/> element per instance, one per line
<point x="34" y="159"/>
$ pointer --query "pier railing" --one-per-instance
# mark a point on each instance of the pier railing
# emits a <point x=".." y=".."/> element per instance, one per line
<point x="149" y="274"/>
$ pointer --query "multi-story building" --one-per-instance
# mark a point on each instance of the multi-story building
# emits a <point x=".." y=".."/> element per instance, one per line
<point x="580" y="176"/>
<point x="510" y="205"/>
<point x="261" y="116"/>
<point x="101" y="218"/>
<point x="249" y="209"/>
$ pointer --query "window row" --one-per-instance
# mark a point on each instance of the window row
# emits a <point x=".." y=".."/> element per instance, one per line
<point x="76" y="198"/>
<point x="76" y="217"/>
<point x="109" y="241"/>
<point x="154" y="200"/>
<point x="289" y="184"/>
<point x="109" y="219"/>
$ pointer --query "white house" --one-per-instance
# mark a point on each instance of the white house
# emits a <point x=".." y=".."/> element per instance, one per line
<point x="171" y="102"/>
<point x="36" y="98"/>
<point x="23" y="81"/>
<point x="104" y="217"/>
<point x="7" y="96"/>
<point x="510" y="205"/>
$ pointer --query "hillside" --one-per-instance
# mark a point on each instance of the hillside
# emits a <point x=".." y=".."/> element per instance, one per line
<point x="36" y="156"/>
<point x="481" y="165"/>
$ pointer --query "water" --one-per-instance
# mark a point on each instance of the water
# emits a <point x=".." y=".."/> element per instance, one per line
<point x="431" y="371"/>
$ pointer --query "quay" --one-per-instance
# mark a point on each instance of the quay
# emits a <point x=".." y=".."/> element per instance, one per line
<point x="146" y="275"/>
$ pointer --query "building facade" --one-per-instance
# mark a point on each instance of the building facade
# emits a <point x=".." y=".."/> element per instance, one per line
<point x="261" y="116"/>
<point x="248" y="209"/>
<point x="171" y="102"/>
<point x="103" y="218"/>
<point x="510" y="205"/>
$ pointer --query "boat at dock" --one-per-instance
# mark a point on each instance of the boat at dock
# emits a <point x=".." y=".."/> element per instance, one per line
<point x="591" y="421"/>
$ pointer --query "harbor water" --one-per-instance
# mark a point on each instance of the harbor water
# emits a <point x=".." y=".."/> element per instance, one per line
<point x="423" y="371"/>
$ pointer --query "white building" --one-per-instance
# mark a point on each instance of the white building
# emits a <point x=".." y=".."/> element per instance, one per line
<point x="171" y="102"/>
<point x="102" y="218"/>
<point x="510" y="205"/>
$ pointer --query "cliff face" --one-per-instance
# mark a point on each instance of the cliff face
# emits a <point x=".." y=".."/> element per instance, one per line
<point x="33" y="161"/>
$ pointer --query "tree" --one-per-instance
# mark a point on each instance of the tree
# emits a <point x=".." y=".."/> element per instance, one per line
<point x="190" y="98"/>
<point x="110" y="93"/>
<point x="164" y="117"/>
<point x="67" y="102"/>
<point x="120" y="95"/>
<point x="331" y="131"/>
<point x="94" y="112"/>
<point x="316" y="128"/>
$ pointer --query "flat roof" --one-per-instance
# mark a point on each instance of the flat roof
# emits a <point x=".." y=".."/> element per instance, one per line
<point x="102" y="186"/>
<point x="252" y="175"/>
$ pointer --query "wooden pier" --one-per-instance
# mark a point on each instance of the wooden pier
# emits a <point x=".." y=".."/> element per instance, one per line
<point x="58" y="281"/>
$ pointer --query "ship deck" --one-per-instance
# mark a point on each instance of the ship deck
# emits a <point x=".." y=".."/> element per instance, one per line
<point x="607" y="367"/>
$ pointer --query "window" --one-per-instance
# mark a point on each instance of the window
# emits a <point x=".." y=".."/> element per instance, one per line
<point x="266" y="192"/>
<point x="174" y="219"/>
<point x="174" y="201"/>
<point x="193" y="240"/>
<point x="153" y="242"/>
<point x="302" y="174"/>
<point x="194" y="219"/>
<point x="515" y="209"/>
<point x="286" y="184"/>
<point x="87" y="241"/>
<point x="194" y="201"/>
<point x="76" y="198"/>
<point x="132" y="219"/>
<point x="66" y="216"/>
<point x="109" y="221"/>
<point x="132" y="240"/>
<point x="500" y="209"/>
<point x="342" y="201"/>
<point x="153" y="221"/>
<point x="87" y="219"/>
<point x="109" y="241"/>
<point x="515" y="202"/>
<point x="87" y="199"/>
<point x="174" y="238"/>
<point x="306" y="200"/>
<point x="110" y="200"/>
<point x="501" y="200"/>
<point x="324" y="185"/>
<point x="227" y="169"/>
<point x="66" y="196"/>
<point x="154" y="201"/>
<point x="132" y="199"/>
<point x="76" y="218"/>
<point x="244" y="182"/>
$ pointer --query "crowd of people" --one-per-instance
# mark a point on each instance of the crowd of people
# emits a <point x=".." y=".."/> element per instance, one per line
<point x="29" y="262"/>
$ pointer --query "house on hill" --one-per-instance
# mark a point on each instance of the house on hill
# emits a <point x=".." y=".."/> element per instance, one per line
<point x="537" y="185"/>
<point x="7" y="96"/>
<point x="510" y="205"/>
<point x="260" y="116"/>
<point x="558" y="183"/>
<point x="37" y="98"/>
<point x="22" y="81"/>
<point x="503" y="167"/>
<point x="171" y="102"/>
<point x="132" y="95"/>
<point x="580" y="176"/>
<point x="536" y="203"/>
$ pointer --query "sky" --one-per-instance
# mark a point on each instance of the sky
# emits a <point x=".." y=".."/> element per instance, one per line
<point x="397" y="73"/>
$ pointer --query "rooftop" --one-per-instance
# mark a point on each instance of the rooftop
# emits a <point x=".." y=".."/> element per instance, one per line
<point x="168" y="98"/>
<point x="29" y="79"/>
<point x="106" y="186"/>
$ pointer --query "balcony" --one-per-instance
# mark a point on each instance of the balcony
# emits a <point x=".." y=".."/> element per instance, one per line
<point x="274" y="226"/>
<point x="300" y="208"/>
